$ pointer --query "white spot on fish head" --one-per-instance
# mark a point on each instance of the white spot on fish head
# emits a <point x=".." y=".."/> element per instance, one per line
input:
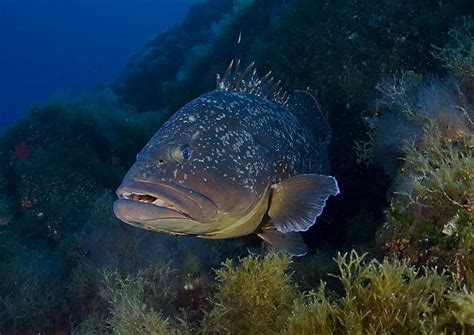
<point x="195" y="135"/>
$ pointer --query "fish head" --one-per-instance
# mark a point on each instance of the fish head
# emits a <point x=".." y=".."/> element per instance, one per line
<point x="198" y="175"/>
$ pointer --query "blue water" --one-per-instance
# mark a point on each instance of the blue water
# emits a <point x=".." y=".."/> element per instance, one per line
<point x="65" y="47"/>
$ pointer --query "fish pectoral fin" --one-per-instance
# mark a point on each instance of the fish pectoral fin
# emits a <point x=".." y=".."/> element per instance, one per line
<point x="297" y="202"/>
<point x="291" y="243"/>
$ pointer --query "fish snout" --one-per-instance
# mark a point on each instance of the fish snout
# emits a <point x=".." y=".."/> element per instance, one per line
<point x="134" y="212"/>
<point x="164" y="195"/>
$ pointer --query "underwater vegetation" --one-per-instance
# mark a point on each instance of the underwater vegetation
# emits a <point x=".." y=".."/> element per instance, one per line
<point x="259" y="295"/>
<point x="384" y="297"/>
<point x="5" y="206"/>
<point x="130" y="301"/>
<point x="395" y="79"/>
<point x="424" y="137"/>
<point x="53" y="172"/>
<point x="132" y="311"/>
<point x="67" y="154"/>
<point x="431" y="213"/>
<point x="457" y="56"/>
<point x="332" y="46"/>
<point x="254" y="297"/>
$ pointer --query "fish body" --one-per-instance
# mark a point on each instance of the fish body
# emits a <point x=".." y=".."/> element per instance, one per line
<point x="233" y="162"/>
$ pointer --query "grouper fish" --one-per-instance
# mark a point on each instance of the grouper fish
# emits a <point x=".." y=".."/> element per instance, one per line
<point x="244" y="160"/>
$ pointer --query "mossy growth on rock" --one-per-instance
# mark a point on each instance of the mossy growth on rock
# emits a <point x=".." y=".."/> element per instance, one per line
<point x="133" y="301"/>
<point x="432" y="212"/>
<point x="57" y="163"/>
<point x="423" y="135"/>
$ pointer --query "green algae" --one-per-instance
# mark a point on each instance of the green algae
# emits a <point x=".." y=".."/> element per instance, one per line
<point x="378" y="297"/>
<point x="131" y="309"/>
<point x="430" y="216"/>
<point x="254" y="297"/>
<point x="58" y="161"/>
<point x="457" y="56"/>
<point x="382" y="298"/>
<point x="259" y="295"/>
<point x="424" y="137"/>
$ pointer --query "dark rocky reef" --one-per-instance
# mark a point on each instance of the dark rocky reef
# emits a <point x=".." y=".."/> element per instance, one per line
<point x="160" y="61"/>
<point x="66" y="263"/>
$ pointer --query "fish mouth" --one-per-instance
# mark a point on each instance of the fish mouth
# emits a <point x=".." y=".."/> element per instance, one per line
<point x="141" y="201"/>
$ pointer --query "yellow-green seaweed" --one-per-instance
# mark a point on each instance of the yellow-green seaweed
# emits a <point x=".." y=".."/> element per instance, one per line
<point x="255" y="297"/>
<point x="378" y="297"/>
<point x="133" y="301"/>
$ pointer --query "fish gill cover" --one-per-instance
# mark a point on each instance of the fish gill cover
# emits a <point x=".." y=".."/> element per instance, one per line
<point x="395" y="82"/>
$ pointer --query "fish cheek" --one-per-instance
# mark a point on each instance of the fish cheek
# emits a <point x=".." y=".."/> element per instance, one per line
<point x="235" y="172"/>
<point x="250" y="188"/>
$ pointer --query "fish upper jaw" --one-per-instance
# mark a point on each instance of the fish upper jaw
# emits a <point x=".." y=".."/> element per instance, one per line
<point x="144" y="200"/>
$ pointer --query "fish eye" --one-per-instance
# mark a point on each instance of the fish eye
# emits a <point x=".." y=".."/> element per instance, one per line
<point x="181" y="153"/>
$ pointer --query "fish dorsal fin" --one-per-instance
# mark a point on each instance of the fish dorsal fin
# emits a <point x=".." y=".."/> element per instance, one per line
<point x="291" y="243"/>
<point x="305" y="106"/>
<point x="247" y="80"/>
<point x="297" y="202"/>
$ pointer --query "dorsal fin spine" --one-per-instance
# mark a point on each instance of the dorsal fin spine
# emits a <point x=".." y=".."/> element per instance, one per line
<point x="228" y="70"/>
<point x="249" y="81"/>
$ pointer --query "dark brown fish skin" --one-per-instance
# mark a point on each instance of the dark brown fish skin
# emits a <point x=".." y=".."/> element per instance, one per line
<point x="241" y="144"/>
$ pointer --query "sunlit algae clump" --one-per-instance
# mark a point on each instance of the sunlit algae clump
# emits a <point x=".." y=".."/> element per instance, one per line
<point x="258" y="296"/>
<point x="135" y="303"/>
<point x="130" y="315"/>
<point x="254" y="297"/>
